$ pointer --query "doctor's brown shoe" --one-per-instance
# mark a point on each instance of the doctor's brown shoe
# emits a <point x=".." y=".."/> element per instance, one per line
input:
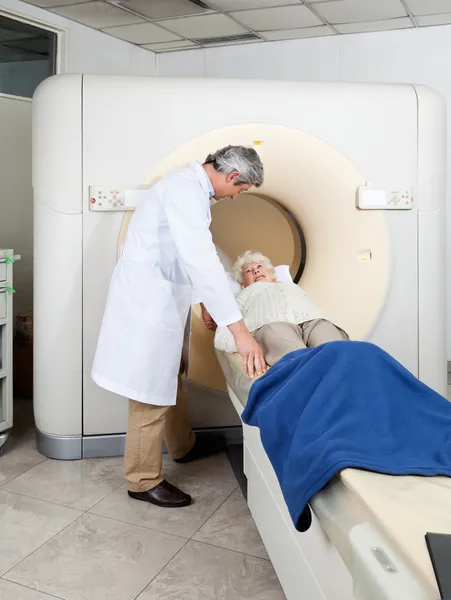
<point x="164" y="494"/>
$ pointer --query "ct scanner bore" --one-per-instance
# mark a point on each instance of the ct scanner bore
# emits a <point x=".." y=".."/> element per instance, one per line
<point x="255" y="222"/>
<point x="304" y="215"/>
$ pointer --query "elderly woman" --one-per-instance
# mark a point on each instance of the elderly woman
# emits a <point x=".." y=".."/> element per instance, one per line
<point x="280" y="316"/>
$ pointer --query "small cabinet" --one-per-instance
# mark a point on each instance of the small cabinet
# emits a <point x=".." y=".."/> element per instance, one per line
<point x="6" y="342"/>
<point x="3" y="302"/>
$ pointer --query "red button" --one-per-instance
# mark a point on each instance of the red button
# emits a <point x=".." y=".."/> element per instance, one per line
<point x="93" y="200"/>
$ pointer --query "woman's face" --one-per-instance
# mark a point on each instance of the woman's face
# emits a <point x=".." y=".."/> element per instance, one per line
<point x="254" y="272"/>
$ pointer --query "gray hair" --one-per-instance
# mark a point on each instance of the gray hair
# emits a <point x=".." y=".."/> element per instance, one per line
<point x="238" y="158"/>
<point x="247" y="258"/>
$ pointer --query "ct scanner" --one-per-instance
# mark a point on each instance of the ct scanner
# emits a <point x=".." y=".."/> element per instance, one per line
<point x="372" y="257"/>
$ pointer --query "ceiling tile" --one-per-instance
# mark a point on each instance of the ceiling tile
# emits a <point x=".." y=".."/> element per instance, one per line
<point x="294" y="34"/>
<point x="229" y="5"/>
<point x="162" y="9"/>
<point x="204" y="26"/>
<point x="383" y="25"/>
<point x="426" y="20"/>
<point x="144" y="33"/>
<point x="51" y="3"/>
<point x="97" y="14"/>
<point x="167" y="46"/>
<point x="353" y="11"/>
<point x="233" y="43"/>
<point x="429" y="7"/>
<point x="286" y="17"/>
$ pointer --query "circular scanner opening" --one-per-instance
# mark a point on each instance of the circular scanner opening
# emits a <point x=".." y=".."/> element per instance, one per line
<point x="316" y="183"/>
<point x="258" y="223"/>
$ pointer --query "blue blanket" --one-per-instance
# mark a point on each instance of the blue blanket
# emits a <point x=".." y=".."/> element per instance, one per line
<point x="346" y="404"/>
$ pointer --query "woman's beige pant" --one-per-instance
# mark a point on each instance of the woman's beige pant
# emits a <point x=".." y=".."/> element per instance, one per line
<point x="148" y="425"/>
<point x="278" y="339"/>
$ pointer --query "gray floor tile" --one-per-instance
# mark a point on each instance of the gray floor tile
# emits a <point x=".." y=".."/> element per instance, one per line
<point x="19" y="455"/>
<point x="26" y="524"/>
<point x="202" y="572"/>
<point x="12" y="591"/>
<point x="78" y="484"/>
<point x="233" y="527"/>
<point x="97" y="559"/>
<point x="207" y="495"/>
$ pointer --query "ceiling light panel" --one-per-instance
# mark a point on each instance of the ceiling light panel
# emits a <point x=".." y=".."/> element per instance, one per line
<point x="144" y="33"/>
<point x="428" y="20"/>
<point x="230" y="5"/>
<point x="52" y="3"/>
<point x="166" y="46"/>
<point x="286" y="17"/>
<point x="353" y="11"/>
<point x="296" y="34"/>
<point x="429" y="7"/>
<point x="203" y="26"/>
<point x="164" y="9"/>
<point x="98" y="15"/>
<point x="389" y="24"/>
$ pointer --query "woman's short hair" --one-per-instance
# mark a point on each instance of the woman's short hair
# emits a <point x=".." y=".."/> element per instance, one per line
<point x="247" y="258"/>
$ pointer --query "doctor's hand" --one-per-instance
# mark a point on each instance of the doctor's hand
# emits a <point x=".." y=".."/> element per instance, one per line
<point x="208" y="319"/>
<point x="250" y="351"/>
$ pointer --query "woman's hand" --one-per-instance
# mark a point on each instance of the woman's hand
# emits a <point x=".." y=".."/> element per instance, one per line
<point x="251" y="353"/>
<point x="208" y="319"/>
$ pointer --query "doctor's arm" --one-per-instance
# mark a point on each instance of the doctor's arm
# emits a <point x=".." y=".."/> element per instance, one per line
<point x="187" y="216"/>
<point x="238" y="330"/>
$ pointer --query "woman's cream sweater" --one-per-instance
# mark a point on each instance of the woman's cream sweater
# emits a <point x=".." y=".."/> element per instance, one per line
<point x="263" y="303"/>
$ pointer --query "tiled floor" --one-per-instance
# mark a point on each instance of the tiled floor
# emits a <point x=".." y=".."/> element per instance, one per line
<point x="69" y="531"/>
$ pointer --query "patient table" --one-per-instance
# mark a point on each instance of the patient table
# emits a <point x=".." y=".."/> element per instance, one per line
<point x="367" y="539"/>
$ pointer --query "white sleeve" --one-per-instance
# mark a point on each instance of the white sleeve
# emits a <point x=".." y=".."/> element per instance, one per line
<point x="233" y="285"/>
<point x="188" y="221"/>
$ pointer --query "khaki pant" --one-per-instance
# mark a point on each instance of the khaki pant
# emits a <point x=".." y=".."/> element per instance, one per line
<point x="148" y="425"/>
<point x="278" y="339"/>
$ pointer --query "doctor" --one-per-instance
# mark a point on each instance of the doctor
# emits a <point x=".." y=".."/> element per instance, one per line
<point x="167" y="256"/>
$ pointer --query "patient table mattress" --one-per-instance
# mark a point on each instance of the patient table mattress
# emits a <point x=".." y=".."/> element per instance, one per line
<point x="404" y="508"/>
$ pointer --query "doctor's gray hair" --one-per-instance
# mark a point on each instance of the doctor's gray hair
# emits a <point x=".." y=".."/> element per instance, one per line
<point x="238" y="158"/>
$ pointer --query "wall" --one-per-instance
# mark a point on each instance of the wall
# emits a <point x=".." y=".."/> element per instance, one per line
<point x="405" y="56"/>
<point x="311" y="59"/>
<point x="88" y="51"/>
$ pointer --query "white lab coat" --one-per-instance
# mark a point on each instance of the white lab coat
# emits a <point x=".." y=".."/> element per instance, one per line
<point x="168" y="253"/>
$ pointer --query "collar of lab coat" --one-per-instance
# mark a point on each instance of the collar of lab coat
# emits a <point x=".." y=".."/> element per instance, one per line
<point x="203" y="178"/>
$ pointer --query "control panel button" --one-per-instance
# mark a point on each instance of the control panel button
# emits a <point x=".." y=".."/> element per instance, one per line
<point x="116" y="198"/>
<point x="369" y="198"/>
